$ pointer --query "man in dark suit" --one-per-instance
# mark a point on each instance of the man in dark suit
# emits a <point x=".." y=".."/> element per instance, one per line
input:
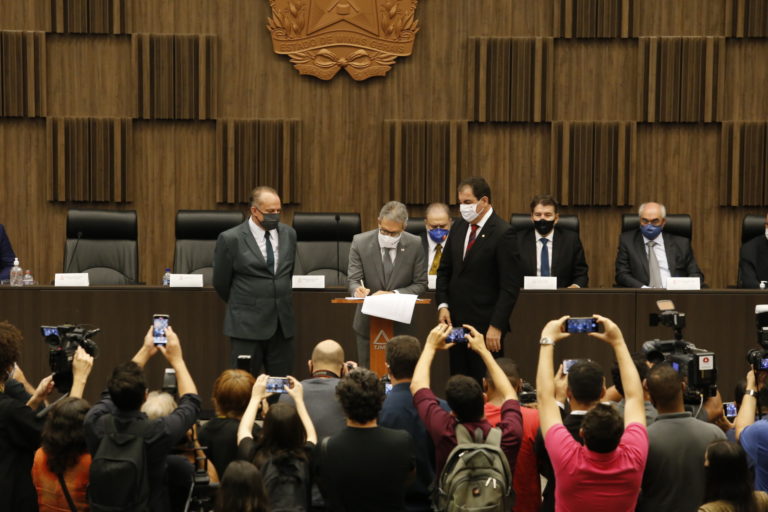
<point x="648" y="257"/>
<point x="753" y="261"/>
<point x="478" y="279"/>
<point x="384" y="260"/>
<point x="547" y="250"/>
<point x="438" y="223"/>
<point x="252" y="271"/>
<point x="6" y="254"/>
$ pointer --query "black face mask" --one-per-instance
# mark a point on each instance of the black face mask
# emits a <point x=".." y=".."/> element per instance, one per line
<point x="270" y="221"/>
<point x="543" y="227"/>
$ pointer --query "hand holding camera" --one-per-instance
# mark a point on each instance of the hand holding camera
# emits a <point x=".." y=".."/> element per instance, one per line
<point x="438" y="336"/>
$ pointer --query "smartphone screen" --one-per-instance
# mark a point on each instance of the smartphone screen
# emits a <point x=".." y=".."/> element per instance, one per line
<point x="763" y="364"/>
<point x="729" y="408"/>
<point x="159" y="323"/>
<point x="579" y="325"/>
<point x="457" y="335"/>
<point x="277" y="384"/>
<point x="567" y="364"/>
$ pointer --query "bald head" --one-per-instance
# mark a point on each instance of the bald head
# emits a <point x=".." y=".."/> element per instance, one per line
<point x="327" y="355"/>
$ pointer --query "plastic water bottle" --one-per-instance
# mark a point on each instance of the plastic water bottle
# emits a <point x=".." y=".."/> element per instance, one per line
<point x="167" y="277"/>
<point x="16" y="273"/>
<point x="28" y="280"/>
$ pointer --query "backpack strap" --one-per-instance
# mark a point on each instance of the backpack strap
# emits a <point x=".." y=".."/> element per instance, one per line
<point x="494" y="437"/>
<point x="63" y="484"/>
<point x="462" y="434"/>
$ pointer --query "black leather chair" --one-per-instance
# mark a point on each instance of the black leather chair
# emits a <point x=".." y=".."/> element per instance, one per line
<point x="416" y="226"/>
<point x="196" y="234"/>
<point x="323" y="244"/>
<point x="102" y="243"/>
<point x="521" y="221"/>
<point x="751" y="227"/>
<point x="677" y="224"/>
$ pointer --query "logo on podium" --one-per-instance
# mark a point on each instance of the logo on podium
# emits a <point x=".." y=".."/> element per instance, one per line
<point x="363" y="37"/>
<point x="380" y="342"/>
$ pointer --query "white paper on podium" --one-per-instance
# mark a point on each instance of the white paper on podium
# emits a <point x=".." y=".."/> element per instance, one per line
<point x="71" y="279"/>
<point x="539" y="283"/>
<point x="186" y="281"/>
<point x="683" y="283"/>
<point x="392" y="306"/>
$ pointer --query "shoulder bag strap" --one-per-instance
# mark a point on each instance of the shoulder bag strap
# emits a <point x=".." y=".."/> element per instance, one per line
<point x="63" y="484"/>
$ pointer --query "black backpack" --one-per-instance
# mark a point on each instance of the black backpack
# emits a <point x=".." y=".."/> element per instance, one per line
<point x="286" y="480"/>
<point x="119" y="479"/>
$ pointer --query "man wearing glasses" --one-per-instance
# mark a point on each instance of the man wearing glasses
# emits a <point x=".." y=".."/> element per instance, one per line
<point x="385" y="260"/>
<point x="648" y="256"/>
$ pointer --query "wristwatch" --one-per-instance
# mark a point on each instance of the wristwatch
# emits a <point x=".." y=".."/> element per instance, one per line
<point x="750" y="392"/>
<point x="546" y="340"/>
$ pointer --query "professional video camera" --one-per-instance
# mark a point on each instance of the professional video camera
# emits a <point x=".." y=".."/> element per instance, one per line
<point x="758" y="357"/>
<point x="63" y="341"/>
<point x="696" y="365"/>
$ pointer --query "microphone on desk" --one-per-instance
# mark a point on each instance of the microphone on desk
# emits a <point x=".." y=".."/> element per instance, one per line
<point x="74" y="252"/>
<point x="337" y="217"/>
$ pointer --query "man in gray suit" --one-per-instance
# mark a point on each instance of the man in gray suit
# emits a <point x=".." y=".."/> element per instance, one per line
<point x="252" y="270"/>
<point x="385" y="260"/>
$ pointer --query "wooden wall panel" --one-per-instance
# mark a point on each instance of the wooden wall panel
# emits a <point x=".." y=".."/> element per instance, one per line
<point x="593" y="18"/>
<point x="680" y="17"/>
<point x="263" y="151"/>
<point x="427" y="159"/>
<point x="511" y="79"/>
<point x="746" y="18"/>
<point x="22" y="74"/>
<point x="744" y="164"/>
<point x="520" y="18"/>
<point x="25" y="15"/>
<point x="682" y="79"/>
<point x="89" y="160"/>
<point x="178" y="17"/>
<point x="746" y="96"/>
<point x="88" y="16"/>
<point x="175" y="76"/>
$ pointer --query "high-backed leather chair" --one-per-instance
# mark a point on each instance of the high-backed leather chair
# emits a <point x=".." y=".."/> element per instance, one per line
<point x="196" y="234"/>
<point x="521" y="221"/>
<point x="102" y="243"/>
<point x="323" y="242"/>
<point x="677" y="224"/>
<point x="752" y="226"/>
<point x="416" y="226"/>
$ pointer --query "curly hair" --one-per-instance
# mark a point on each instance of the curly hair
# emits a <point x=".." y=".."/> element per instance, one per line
<point x="63" y="436"/>
<point x="10" y="348"/>
<point x="361" y="395"/>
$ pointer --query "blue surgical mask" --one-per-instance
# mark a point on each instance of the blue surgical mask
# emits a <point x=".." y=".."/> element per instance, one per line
<point x="438" y="235"/>
<point x="650" y="231"/>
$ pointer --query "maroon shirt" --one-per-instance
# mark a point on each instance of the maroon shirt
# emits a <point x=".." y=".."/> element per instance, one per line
<point x="441" y="426"/>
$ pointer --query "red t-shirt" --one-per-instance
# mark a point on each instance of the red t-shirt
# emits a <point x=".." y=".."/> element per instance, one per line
<point x="598" y="482"/>
<point x="526" y="481"/>
<point x="441" y="426"/>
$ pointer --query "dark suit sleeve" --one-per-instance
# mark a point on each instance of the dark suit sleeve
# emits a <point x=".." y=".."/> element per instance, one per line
<point x="354" y="267"/>
<point x="580" y="267"/>
<point x="508" y="262"/>
<point x="6" y="254"/>
<point x="624" y="275"/>
<point x="748" y="267"/>
<point x="691" y="267"/>
<point x="445" y="270"/>
<point x="222" y="268"/>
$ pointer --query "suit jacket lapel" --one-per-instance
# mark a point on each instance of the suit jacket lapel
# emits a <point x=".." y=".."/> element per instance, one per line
<point x="456" y="238"/>
<point x="529" y="252"/>
<point x="375" y="254"/>
<point x="671" y="252"/>
<point x="641" y="252"/>
<point x="488" y="227"/>
<point x="283" y="249"/>
<point x="245" y="232"/>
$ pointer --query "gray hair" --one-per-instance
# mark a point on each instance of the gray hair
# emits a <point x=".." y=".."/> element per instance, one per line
<point x="661" y="207"/>
<point x="159" y="404"/>
<point x="394" y="211"/>
<point x="256" y="194"/>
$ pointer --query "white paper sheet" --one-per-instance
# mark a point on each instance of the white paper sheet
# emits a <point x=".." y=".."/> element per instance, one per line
<point x="539" y="283"/>
<point x="683" y="283"/>
<point x="71" y="279"/>
<point x="186" y="281"/>
<point x="308" y="281"/>
<point x="392" y="306"/>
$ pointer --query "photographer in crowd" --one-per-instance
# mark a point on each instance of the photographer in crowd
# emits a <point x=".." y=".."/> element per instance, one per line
<point x="20" y="429"/>
<point x="605" y="474"/>
<point x="119" y="411"/>
<point x="753" y="435"/>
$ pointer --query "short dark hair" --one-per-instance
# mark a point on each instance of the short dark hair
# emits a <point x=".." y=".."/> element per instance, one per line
<point x="63" y="436"/>
<point x="402" y="355"/>
<point x="663" y="383"/>
<point x="640" y="365"/>
<point x="465" y="398"/>
<point x="10" y="348"/>
<point x="602" y="428"/>
<point x="242" y="488"/>
<point x="361" y="395"/>
<point x="127" y="387"/>
<point x="509" y="367"/>
<point x="544" y="200"/>
<point x="479" y="186"/>
<point x="586" y="380"/>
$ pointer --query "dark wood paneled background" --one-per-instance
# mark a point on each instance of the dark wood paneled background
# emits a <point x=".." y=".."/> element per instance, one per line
<point x="175" y="104"/>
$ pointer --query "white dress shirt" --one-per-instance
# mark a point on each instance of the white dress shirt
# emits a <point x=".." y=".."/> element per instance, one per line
<point x="539" y="247"/>
<point x="258" y="233"/>
<point x="661" y="256"/>
<point x="392" y="253"/>
<point x="431" y="245"/>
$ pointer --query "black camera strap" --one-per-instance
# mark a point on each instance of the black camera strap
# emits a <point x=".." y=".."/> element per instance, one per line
<point x="63" y="484"/>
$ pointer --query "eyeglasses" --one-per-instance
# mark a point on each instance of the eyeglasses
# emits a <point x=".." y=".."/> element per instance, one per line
<point x="389" y="233"/>
<point x="653" y="222"/>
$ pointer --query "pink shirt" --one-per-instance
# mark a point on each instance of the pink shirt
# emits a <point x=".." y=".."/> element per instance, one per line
<point x="598" y="482"/>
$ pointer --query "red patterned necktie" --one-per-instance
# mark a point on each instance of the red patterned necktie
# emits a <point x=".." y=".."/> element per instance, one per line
<point x="472" y="238"/>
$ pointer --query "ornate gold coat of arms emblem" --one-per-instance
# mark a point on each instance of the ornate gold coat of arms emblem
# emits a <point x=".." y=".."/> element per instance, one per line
<point x="362" y="36"/>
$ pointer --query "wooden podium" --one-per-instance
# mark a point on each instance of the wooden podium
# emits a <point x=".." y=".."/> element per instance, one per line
<point x="381" y="331"/>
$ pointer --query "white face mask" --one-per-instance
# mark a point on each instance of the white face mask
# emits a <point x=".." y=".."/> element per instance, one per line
<point x="388" y="242"/>
<point x="468" y="212"/>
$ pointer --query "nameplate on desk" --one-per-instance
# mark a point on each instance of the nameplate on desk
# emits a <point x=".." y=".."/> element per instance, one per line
<point x="309" y="281"/>
<point x="71" y="280"/>
<point x="683" y="283"/>
<point x="540" y="283"/>
<point x="432" y="282"/>
<point x="186" y="281"/>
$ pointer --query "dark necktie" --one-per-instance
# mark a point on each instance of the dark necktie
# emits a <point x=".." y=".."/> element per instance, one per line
<point x="472" y="238"/>
<point x="386" y="260"/>
<point x="544" y="257"/>
<point x="270" y="253"/>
